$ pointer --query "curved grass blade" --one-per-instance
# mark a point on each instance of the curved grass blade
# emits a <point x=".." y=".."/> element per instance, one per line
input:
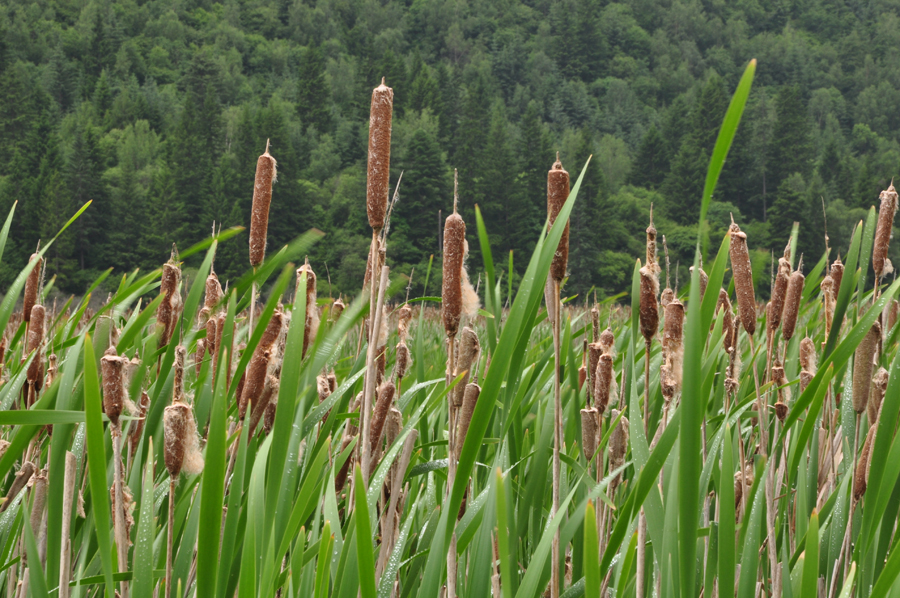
<point x="364" y="555"/>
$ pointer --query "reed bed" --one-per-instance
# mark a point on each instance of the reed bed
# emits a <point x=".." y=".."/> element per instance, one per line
<point x="192" y="440"/>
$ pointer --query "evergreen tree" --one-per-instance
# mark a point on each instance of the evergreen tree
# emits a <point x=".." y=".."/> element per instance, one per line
<point x="496" y="191"/>
<point x="448" y="106"/>
<point x="651" y="164"/>
<point x="423" y="91"/>
<point x="791" y="205"/>
<point x="791" y="148"/>
<point x="683" y="187"/>
<point x="426" y="189"/>
<point x="313" y="94"/>
<point x="534" y="151"/>
<point x="472" y="136"/>
<point x="83" y="181"/>
<point x="586" y="221"/>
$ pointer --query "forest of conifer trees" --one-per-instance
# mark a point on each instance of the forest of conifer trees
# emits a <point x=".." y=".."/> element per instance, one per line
<point x="157" y="109"/>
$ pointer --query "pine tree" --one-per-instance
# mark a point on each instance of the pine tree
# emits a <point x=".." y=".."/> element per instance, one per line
<point x="472" y="135"/>
<point x="651" y="164"/>
<point x="586" y="221"/>
<point x="683" y="187"/>
<point x="423" y="91"/>
<point x="791" y="148"/>
<point x="313" y="94"/>
<point x="496" y="191"/>
<point x="536" y="155"/>
<point x="83" y="178"/>
<point x="425" y="189"/>
<point x="791" y="205"/>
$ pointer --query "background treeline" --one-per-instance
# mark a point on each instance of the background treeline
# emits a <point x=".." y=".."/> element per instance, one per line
<point x="158" y="109"/>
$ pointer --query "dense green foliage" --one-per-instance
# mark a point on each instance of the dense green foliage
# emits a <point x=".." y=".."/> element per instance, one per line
<point x="157" y="110"/>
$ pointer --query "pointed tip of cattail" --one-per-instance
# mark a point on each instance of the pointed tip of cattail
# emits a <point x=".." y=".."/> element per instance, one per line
<point x="558" y="164"/>
<point x="266" y="153"/>
<point x="382" y="81"/>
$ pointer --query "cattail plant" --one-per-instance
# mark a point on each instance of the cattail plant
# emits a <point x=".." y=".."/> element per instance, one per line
<point x="863" y="365"/>
<point x="115" y="393"/>
<point x="266" y="175"/>
<point x="779" y="292"/>
<point x="258" y="369"/>
<point x="792" y="303"/>
<point x="880" y="262"/>
<point x="311" y="327"/>
<point x="879" y="388"/>
<point x="743" y="277"/>
<point x="32" y="286"/>
<point x="35" y="374"/>
<point x="807" y="362"/>
<point x="337" y="308"/>
<point x="169" y="311"/>
<point x="466" y="358"/>
<point x="378" y="179"/>
<point x="557" y="194"/>
<point x="828" y="300"/>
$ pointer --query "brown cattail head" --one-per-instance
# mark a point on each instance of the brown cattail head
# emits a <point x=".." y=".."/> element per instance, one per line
<point x="199" y="354"/>
<point x="649" y="308"/>
<point x="828" y="298"/>
<point x="169" y="311"/>
<point x="667" y="383"/>
<point x="808" y="355"/>
<point x="403" y="360"/>
<point x="470" y="400"/>
<point x="863" y="365"/>
<point x="673" y="327"/>
<point x="779" y="291"/>
<point x="781" y="411"/>
<point x="379" y="416"/>
<point x="557" y="194"/>
<point x="255" y="380"/>
<point x="467" y="355"/>
<point x="337" y="308"/>
<point x="311" y="328"/>
<point x="618" y="443"/>
<point x="704" y="280"/>
<point x="893" y="313"/>
<point x="837" y="273"/>
<point x="266" y="174"/>
<point x="595" y="324"/>
<point x="29" y="297"/>
<point x="607" y="341"/>
<point x="792" y="304"/>
<point x="404" y="317"/>
<point x="651" y="262"/>
<point x="34" y="344"/>
<point x="729" y="332"/>
<point x="879" y="387"/>
<point x="267" y="398"/>
<point x="212" y="335"/>
<point x="590" y="431"/>
<point x="214" y="293"/>
<point x="112" y="370"/>
<point x="603" y="383"/>
<point x="666" y="297"/>
<point x="451" y="290"/>
<point x="880" y="262"/>
<point x="178" y="385"/>
<point x="182" y="446"/>
<point x="805" y="378"/>
<point x="861" y="475"/>
<point x="378" y="180"/>
<point x="137" y="429"/>
<point x="743" y="278"/>
<point x="594" y="352"/>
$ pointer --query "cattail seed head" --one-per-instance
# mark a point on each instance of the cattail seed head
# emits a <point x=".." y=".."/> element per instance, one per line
<point x="792" y="304"/>
<point x="178" y="385"/>
<point x="199" y="355"/>
<point x="379" y="416"/>
<point x="827" y="287"/>
<point x="34" y="344"/>
<point x="880" y="262"/>
<point x="112" y="370"/>
<point x="603" y="383"/>
<point x="266" y="174"/>
<point x="861" y="475"/>
<point x="779" y="291"/>
<point x="879" y="387"/>
<point x="138" y="429"/>
<point x="666" y="297"/>
<point x="649" y="308"/>
<point x="212" y="335"/>
<point x="30" y="294"/>
<point x="467" y="354"/>
<point x="267" y="398"/>
<point x="451" y="289"/>
<point x="169" y="311"/>
<point x="667" y="383"/>
<point x="467" y="409"/>
<point x="673" y="327"/>
<point x="404" y="317"/>
<point x="651" y="262"/>
<point x="182" y="446"/>
<point x="590" y="431"/>
<point x="729" y="332"/>
<point x="595" y="324"/>
<point x="704" y="280"/>
<point x="607" y="341"/>
<point x="893" y="313"/>
<point x="863" y="365"/>
<point x="618" y="443"/>
<point x="255" y="380"/>
<point x="337" y="308"/>
<point x="808" y="355"/>
<point x="557" y="194"/>
<point x="837" y="273"/>
<point x="311" y="328"/>
<point x="594" y="352"/>
<point x="805" y="378"/>
<point x="378" y="179"/>
<point x="403" y="360"/>
<point x="214" y="293"/>
<point x="743" y="278"/>
<point x="781" y="411"/>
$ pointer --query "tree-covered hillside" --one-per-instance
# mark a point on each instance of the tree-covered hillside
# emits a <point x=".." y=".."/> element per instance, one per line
<point x="157" y="110"/>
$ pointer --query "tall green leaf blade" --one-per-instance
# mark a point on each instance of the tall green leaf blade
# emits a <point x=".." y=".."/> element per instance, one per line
<point x="142" y="580"/>
<point x="364" y="554"/>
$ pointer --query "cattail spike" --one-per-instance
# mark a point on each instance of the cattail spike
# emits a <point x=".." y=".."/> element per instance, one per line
<point x="743" y="277"/>
<point x="557" y="194"/>
<point x="379" y="166"/>
<point x="863" y="365"/>
<point x="266" y="175"/>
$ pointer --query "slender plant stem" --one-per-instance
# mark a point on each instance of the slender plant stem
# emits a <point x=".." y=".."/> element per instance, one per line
<point x="119" y="514"/>
<point x="170" y="536"/>
<point x="557" y="441"/>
